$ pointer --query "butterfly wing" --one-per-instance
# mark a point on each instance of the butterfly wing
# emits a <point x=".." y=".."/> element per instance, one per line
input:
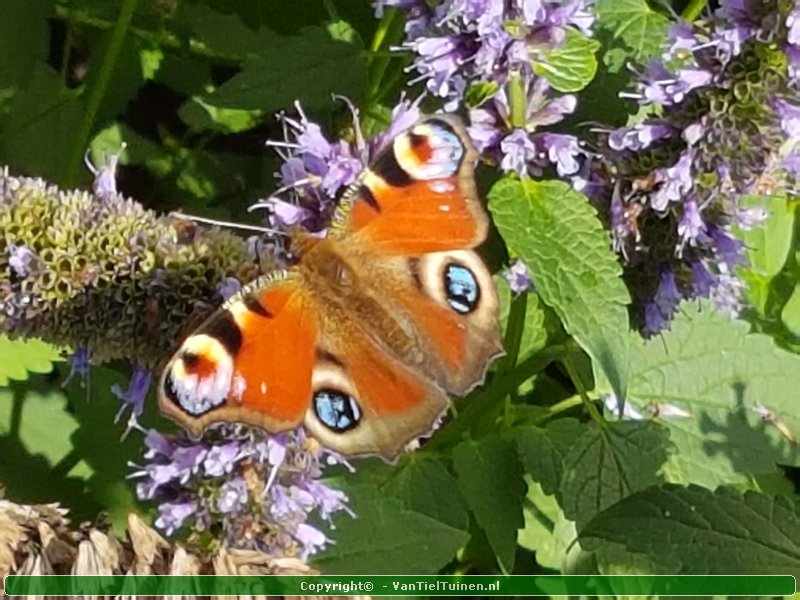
<point x="411" y="221"/>
<point x="250" y="362"/>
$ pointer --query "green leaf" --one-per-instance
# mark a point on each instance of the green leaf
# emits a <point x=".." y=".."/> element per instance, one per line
<point x="693" y="530"/>
<point x="426" y="486"/>
<point x="542" y="450"/>
<point x="24" y="39"/>
<point x="386" y="538"/>
<point x="200" y="116"/>
<point x="311" y="66"/>
<point x="225" y="35"/>
<point x="18" y="358"/>
<point x="572" y="66"/>
<point x="490" y="477"/>
<point x="768" y="244"/>
<point x="609" y="463"/>
<point x="790" y="313"/>
<point x="534" y="332"/>
<point x="712" y="367"/>
<point x="634" y="23"/>
<point x="558" y="235"/>
<point x="38" y="462"/>
<point x="479" y="92"/>
<point x="98" y="441"/>
<point x="547" y="532"/>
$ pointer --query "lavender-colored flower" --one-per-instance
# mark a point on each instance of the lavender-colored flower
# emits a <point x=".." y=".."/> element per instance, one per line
<point x="563" y="151"/>
<point x="518" y="151"/>
<point x="135" y="395"/>
<point x="518" y="277"/>
<point x="105" y="177"/>
<point x="702" y="280"/>
<point x="638" y="137"/>
<point x="21" y="259"/>
<point x="728" y="249"/>
<point x="232" y="496"/>
<point x="678" y="182"/>
<point x="221" y="459"/>
<point x="172" y="515"/>
<point x="228" y="287"/>
<point x="691" y="227"/>
<point x="259" y="489"/>
<point x="311" y="539"/>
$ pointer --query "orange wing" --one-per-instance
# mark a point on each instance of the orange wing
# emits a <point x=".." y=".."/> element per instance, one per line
<point x="418" y="196"/>
<point x="251" y="362"/>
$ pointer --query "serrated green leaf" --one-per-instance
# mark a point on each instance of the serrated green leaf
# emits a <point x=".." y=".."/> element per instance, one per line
<point x="490" y="478"/>
<point x="570" y="67"/>
<point x="712" y="367"/>
<point x="558" y="235"/>
<point x="790" y="313"/>
<point x="386" y="538"/>
<point x="609" y="463"/>
<point x="542" y="450"/>
<point x="639" y="27"/>
<point x="696" y="531"/>
<point x="19" y="358"/>
<point x="425" y="485"/>
<point x="311" y="66"/>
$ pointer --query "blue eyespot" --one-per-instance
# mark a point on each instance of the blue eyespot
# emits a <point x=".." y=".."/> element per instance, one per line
<point x="339" y="412"/>
<point x="461" y="288"/>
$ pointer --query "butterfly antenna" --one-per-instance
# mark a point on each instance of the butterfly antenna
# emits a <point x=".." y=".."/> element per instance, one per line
<point x="230" y="224"/>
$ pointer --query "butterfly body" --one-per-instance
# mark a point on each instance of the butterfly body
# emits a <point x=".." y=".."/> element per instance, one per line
<point x="361" y="339"/>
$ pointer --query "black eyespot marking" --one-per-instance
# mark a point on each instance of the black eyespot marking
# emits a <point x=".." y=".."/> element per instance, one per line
<point x="224" y="329"/>
<point x="190" y="360"/>
<point x="388" y="169"/>
<point x="253" y="304"/>
<point x="338" y="411"/>
<point x="461" y="288"/>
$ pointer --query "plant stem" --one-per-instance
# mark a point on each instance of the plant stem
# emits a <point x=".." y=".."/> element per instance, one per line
<point x="693" y="10"/>
<point x="97" y="91"/>
<point x="569" y="365"/>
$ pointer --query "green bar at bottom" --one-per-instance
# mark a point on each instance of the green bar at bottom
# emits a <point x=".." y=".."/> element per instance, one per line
<point x="402" y="585"/>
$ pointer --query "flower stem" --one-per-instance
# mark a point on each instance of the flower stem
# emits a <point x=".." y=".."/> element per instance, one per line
<point x="569" y="365"/>
<point x="97" y="91"/>
<point x="694" y="9"/>
<point x="517" y="101"/>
